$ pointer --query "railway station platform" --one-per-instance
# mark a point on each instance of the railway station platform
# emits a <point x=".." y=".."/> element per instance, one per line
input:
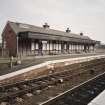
<point x="99" y="100"/>
<point x="45" y="68"/>
<point x="51" y="78"/>
<point x="30" y="61"/>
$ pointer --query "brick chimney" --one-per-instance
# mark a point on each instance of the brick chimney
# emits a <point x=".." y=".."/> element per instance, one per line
<point x="81" y="34"/>
<point x="46" y="26"/>
<point x="68" y="30"/>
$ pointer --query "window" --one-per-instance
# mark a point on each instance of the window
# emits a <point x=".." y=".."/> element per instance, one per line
<point x="4" y="45"/>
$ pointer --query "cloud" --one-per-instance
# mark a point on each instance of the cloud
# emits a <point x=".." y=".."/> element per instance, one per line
<point x="81" y="15"/>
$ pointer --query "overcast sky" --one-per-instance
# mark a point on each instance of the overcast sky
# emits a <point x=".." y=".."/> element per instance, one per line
<point x="87" y="16"/>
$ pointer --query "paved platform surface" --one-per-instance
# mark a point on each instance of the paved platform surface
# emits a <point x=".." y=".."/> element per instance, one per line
<point x="99" y="100"/>
<point x="29" y="61"/>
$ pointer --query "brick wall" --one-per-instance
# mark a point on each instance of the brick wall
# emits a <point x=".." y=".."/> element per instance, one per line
<point x="9" y="37"/>
<point x="0" y="51"/>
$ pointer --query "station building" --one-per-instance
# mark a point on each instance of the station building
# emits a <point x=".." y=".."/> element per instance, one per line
<point x="21" y="39"/>
<point x="0" y="49"/>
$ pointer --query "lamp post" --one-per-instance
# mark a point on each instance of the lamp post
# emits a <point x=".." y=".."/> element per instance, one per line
<point x="17" y="45"/>
<point x="17" y="50"/>
<point x="11" y="61"/>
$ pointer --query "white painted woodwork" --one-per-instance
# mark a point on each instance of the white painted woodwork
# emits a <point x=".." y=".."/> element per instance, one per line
<point x="51" y="46"/>
<point x="44" y="47"/>
<point x="59" y="46"/>
<point x="64" y="46"/>
<point x="48" y="46"/>
<point x="36" y="46"/>
<point x="32" y="45"/>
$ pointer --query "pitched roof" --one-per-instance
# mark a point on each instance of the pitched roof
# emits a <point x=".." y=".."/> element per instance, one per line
<point x="21" y="27"/>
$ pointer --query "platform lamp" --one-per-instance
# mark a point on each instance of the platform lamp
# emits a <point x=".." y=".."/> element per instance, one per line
<point x="18" y="61"/>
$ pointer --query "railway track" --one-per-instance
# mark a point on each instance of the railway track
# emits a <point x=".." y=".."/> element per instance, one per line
<point x="81" y="94"/>
<point x="9" y="92"/>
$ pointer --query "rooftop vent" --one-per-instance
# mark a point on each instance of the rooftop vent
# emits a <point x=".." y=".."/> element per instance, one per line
<point x="46" y="25"/>
<point x="81" y="34"/>
<point x="68" y="30"/>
